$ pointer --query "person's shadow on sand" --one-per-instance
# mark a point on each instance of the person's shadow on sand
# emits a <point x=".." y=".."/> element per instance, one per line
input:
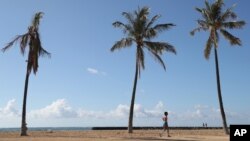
<point x="157" y="139"/>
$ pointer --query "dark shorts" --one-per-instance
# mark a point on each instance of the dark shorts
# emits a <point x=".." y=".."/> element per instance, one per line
<point x="165" y="124"/>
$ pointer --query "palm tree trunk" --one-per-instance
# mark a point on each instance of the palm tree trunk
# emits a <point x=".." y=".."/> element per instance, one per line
<point x="219" y="94"/>
<point x="131" y="112"/>
<point x="24" y="125"/>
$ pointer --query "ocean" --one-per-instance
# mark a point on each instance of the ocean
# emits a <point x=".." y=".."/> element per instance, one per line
<point x="46" y="129"/>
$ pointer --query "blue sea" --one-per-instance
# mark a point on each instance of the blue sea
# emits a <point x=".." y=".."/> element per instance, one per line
<point x="46" y="129"/>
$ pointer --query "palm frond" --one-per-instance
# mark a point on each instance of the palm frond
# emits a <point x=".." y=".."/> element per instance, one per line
<point x="143" y="13"/>
<point x="43" y="52"/>
<point x="119" y="24"/>
<point x="36" y="19"/>
<point x="129" y="17"/>
<point x="10" y="44"/>
<point x="40" y="50"/>
<point x="159" y="47"/>
<point x="140" y="59"/>
<point x="198" y="9"/>
<point x="207" y="15"/>
<point x="150" y="33"/>
<point x="203" y="23"/>
<point x="124" y="42"/>
<point x="24" y="42"/>
<point x="216" y="9"/>
<point x="232" y="39"/>
<point x="208" y="47"/>
<point x="208" y="7"/>
<point x="126" y="28"/>
<point x="234" y="25"/>
<point x="198" y="29"/>
<point x="162" y="27"/>
<point x="150" y="23"/>
<point x="158" y="58"/>
<point x="229" y="14"/>
<point x="140" y="21"/>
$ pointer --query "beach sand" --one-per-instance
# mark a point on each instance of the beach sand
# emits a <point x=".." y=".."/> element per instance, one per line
<point x="118" y="135"/>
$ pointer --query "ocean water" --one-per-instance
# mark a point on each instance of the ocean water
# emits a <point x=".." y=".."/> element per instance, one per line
<point x="46" y="129"/>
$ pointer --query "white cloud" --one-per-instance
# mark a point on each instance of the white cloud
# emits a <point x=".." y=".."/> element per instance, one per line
<point x="157" y="111"/>
<point x="122" y="111"/>
<point x="91" y="114"/>
<point x="96" y="72"/>
<point x="200" y="112"/>
<point x="58" y="109"/>
<point x="93" y="71"/>
<point x="204" y="113"/>
<point x="61" y="109"/>
<point x="9" y="110"/>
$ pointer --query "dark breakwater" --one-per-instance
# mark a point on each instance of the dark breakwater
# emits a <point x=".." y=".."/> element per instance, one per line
<point x="154" y="128"/>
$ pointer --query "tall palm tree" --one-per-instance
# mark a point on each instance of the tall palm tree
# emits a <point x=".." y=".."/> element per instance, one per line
<point x="139" y="29"/>
<point x="217" y="21"/>
<point x="30" y="40"/>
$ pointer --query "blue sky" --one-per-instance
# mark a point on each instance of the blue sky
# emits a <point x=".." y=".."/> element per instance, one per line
<point x="84" y="84"/>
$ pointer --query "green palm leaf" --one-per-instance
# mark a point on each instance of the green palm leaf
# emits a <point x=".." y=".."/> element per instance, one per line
<point x="228" y="14"/>
<point x="162" y="27"/>
<point x="232" y="39"/>
<point x="160" y="47"/>
<point x="158" y="58"/>
<point x="124" y="42"/>
<point x="234" y="24"/>
<point x="208" y="48"/>
<point x="10" y="44"/>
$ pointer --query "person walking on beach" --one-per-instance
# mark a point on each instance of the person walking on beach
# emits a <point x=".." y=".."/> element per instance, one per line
<point x="165" y="124"/>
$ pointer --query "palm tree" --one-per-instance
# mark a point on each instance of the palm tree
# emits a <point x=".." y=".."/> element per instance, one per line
<point x="217" y="21"/>
<point x="140" y="30"/>
<point x="31" y="39"/>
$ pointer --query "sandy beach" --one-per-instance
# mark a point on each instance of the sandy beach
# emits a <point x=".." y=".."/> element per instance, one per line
<point x="118" y="135"/>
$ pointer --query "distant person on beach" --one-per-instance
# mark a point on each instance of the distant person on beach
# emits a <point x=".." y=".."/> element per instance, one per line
<point x="165" y="124"/>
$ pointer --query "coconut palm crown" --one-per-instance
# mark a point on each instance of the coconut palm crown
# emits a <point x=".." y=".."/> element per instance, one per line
<point x="140" y="30"/>
<point x="30" y="40"/>
<point x="217" y="22"/>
